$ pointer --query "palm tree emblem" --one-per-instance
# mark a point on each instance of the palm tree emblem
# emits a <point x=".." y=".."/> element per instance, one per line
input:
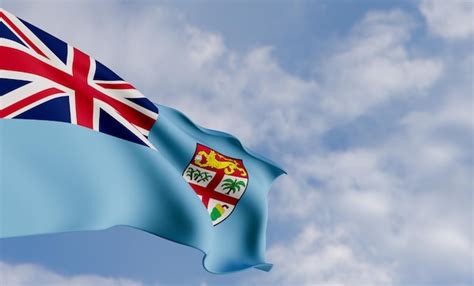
<point x="232" y="185"/>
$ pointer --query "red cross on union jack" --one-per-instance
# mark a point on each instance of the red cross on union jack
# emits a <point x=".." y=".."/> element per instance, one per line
<point x="43" y="78"/>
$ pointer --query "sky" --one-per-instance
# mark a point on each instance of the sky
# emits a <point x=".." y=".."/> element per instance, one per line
<point x="367" y="104"/>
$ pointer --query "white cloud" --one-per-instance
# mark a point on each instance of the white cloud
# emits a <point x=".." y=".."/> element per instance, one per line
<point x="180" y="65"/>
<point x="404" y="208"/>
<point x="374" y="65"/>
<point x="403" y="202"/>
<point x="449" y="19"/>
<point x="246" y="93"/>
<point x="394" y="210"/>
<point x="34" y="275"/>
<point x="320" y="258"/>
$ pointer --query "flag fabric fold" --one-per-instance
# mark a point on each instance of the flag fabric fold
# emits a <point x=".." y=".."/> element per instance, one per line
<point x="81" y="150"/>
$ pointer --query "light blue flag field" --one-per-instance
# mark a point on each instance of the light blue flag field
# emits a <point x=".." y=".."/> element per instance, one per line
<point x="81" y="149"/>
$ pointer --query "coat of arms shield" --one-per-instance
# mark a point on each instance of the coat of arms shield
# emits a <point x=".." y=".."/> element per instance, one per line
<point x="218" y="180"/>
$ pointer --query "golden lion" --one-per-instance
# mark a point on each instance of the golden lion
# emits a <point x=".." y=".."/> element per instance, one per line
<point x="228" y="165"/>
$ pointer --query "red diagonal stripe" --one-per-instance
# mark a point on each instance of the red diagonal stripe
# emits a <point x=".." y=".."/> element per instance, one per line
<point x="15" y="60"/>
<point x="27" y="101"/>
<point x="116" y="85"/>
<point x="21" y="34"/>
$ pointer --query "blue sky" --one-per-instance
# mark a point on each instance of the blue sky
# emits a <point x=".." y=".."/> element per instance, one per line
<point x="368" y="105"/>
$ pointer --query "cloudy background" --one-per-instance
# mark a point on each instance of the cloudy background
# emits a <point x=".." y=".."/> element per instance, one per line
<point x="368" y="106"/>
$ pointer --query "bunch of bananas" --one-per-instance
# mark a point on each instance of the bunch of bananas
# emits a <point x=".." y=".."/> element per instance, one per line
<point x="218" y="211"/>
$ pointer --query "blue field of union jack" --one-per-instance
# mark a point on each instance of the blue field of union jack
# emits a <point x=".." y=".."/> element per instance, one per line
<point x="44" y="78"/>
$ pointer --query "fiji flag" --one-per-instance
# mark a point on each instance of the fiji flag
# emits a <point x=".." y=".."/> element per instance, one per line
<point x="81" y="149"/>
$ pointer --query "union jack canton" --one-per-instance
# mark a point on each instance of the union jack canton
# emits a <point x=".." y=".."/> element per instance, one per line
<point x="44" y="78"/>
